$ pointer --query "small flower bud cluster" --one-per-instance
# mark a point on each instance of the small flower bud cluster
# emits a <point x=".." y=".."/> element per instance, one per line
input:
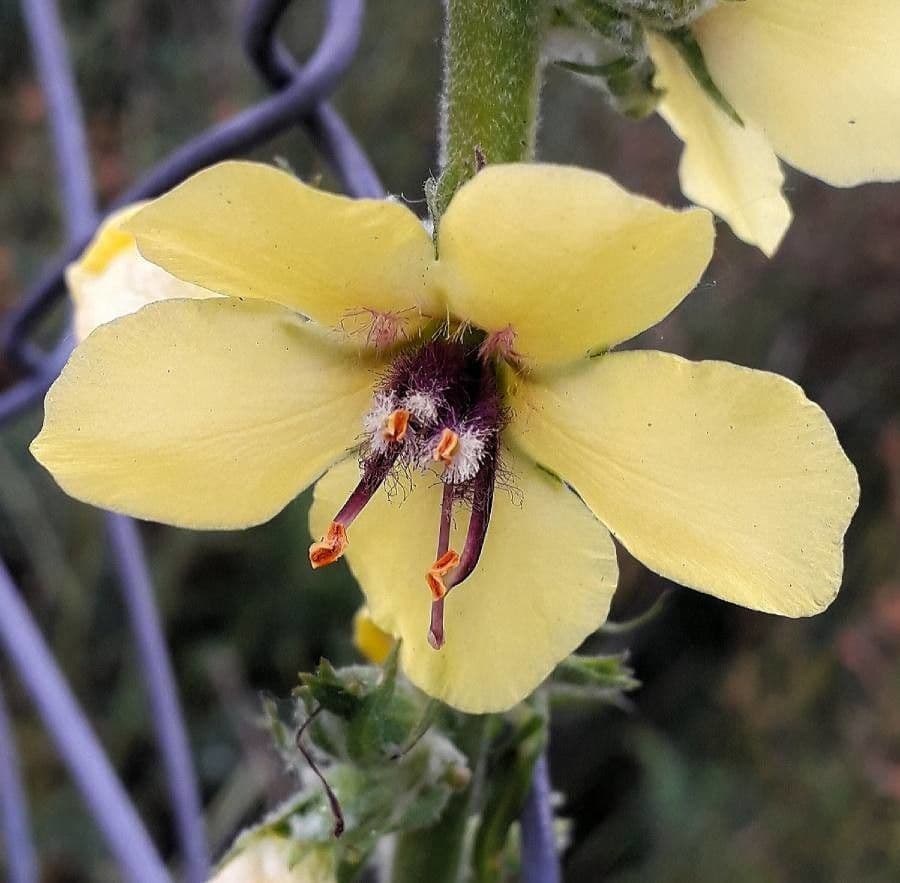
<point x="665" y="13"/>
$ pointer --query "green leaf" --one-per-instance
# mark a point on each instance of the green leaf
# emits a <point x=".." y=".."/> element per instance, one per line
<point x="437" y="853"/>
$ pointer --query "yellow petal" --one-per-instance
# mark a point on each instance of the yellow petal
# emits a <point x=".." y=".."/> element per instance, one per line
<point x="201" y="413"/>
<point x="819" y="78"/>
<point x="569" y="259"/>
<point x="370" y="640"/>
<point x="721" y="478"/>
<point x="111" y="279"/>
<point x="250" y="230"/>
<point x="109" y="241"/>
<point x="270" y="859"/>
<point x="542" y="585"/>
<point x="728" y="168"/>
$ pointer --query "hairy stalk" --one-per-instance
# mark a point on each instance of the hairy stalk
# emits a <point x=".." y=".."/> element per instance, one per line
<point x="492" y="80"/>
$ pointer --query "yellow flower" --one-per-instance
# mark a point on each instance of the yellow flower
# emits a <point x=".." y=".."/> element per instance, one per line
<point x="815" y="82"/>
<point x="270" y="859"/>
<point x="478" y="388"/>
<point x="111" y="279"/>
<point x="370" y="640"/>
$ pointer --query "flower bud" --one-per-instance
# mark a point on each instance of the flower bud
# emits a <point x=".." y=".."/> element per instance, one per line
<point x="273" y="859"/>
<point x="663" y="14"/>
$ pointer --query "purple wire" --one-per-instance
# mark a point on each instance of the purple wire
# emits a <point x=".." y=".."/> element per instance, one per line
<point x="51" y="59"/>
<point x="318" y="77"/>
<point x="21" y="861"/>
<point x="162" y="691"/>
<point x="540" y="863"/>
<point x="73" y="162"/>
<point x="26" y="393"/>
<point x="75" y="740"/>
<point x="324" y="126"/>
<point x="297" y="100"/>
<point x="248" y="129"/>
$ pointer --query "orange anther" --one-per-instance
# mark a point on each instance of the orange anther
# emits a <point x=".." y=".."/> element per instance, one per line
<point x="329" y="549"/>
<point x="446" y="447"/>
<point x="396" y="425"/>
<point x="437" y="572"/>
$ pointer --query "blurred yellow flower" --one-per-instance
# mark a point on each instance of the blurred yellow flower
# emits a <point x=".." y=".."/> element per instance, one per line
<point x="270" y="859"/>
<point x="111" y="279"/>
<point x="370" y="640"/>
<point x="815" y="82"/>
<point x="487" y="369"/>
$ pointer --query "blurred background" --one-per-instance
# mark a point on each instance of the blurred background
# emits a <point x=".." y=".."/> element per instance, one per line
<point x="757" y="749"/>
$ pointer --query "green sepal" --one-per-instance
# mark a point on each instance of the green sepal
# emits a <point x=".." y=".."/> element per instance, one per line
<point x="629" y="83"/>
<point x="604" y="677"/>
<point x="340" y="694"/>
<point x="631" y="625"/>
<point x="606" y="50"/>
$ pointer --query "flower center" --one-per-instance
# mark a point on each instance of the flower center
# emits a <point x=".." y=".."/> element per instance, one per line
<point x="439" y="407"/>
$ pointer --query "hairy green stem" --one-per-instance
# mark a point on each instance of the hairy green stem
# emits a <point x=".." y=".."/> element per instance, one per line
<point x="492" y="78"/>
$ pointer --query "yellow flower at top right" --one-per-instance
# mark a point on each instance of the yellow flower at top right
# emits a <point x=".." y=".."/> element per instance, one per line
<point x="815" y="82"/>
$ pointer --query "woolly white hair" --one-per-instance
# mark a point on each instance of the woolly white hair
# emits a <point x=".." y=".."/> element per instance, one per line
<point x="376" y="419"/>
<point x="466" y="460"/>
<point x="422" y="405"/>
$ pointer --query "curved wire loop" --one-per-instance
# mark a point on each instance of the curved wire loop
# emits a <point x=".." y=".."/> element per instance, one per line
<point x="308" y="85"/>
<point x="324" y="126"/>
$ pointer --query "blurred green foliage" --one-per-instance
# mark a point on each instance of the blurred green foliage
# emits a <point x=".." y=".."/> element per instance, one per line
<point x="756" y="750"/>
